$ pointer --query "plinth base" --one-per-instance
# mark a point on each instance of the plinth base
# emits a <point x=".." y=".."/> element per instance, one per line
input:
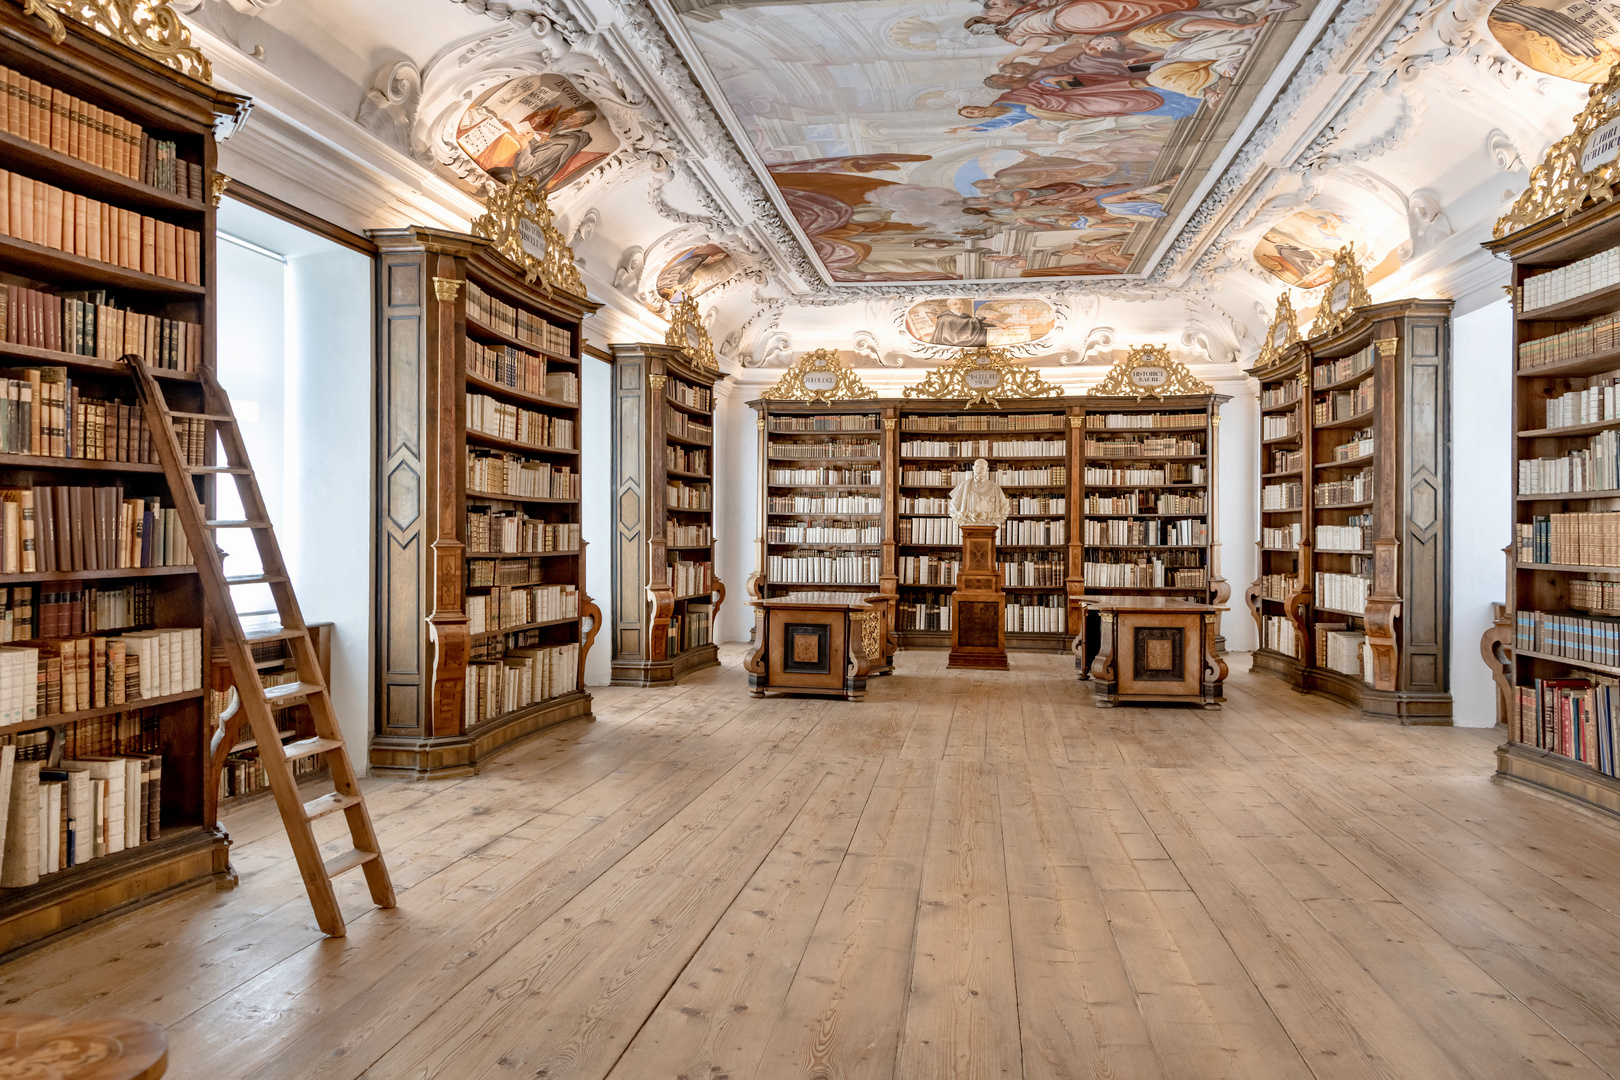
<point x="983" y="663"/>
<point x="978" y="606"/>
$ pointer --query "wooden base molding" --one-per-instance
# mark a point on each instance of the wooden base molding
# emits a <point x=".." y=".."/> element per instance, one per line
<point x="664" y="672"/>
<point x="444" y="756"/>
<point x="1559" y="775"/>
<point x="1394" y="706"/>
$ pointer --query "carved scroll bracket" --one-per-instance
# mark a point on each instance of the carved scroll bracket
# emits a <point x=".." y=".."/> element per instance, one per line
<point x="819" y="376"/>
<point x="1585" y="164"/>
<point x="1346" y="290"/>
<point x="518" y="219"/>
<point x="983" y="376"/>
<point x="148" y="26"/>
<point x="1149" y="371"/>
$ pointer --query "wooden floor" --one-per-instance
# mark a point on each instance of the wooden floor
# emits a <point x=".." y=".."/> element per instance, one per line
<point x="965" y="875"/>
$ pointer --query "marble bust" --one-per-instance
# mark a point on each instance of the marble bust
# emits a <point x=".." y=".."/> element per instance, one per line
<point x="979" y="500"/>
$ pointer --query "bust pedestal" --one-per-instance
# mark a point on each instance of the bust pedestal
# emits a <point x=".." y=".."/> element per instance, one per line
<point x="978" y="606"/>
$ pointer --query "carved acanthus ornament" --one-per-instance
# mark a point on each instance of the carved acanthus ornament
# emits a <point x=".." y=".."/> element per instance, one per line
<point x="1582" y="165"/>
<point x="1283" y="332"/>
<point x="147" y="26"/>
<point x="982" y="376"/>
<point x="1149" y="371"/>
<point x="687" y="333"/>
<point x="519" y="220"/>
<point x="1346" y="290"/>
<point x="819" y="376"/>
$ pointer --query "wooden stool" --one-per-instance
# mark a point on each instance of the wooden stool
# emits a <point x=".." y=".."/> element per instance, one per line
<point x="36" y="1044"/>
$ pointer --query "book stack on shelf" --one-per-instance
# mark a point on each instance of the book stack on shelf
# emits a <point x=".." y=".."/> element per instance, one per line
<point x="107" y="241"/>
<point x="664" y="456"/>
<point x="489" y="562"/>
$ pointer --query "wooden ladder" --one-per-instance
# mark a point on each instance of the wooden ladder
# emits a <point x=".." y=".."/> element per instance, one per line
<point x="255" y="699"/>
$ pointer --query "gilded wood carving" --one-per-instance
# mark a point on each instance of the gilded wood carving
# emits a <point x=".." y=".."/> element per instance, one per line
<point x="1149" y="371"/>
<point x="518" y="219"/>
<point x="819" y="376"/>
<point x="983" y="376"/>
<point x="1345" y="291"/>
<point x="1582" y="165"/>
<point x="688" y="334"/>
<point x="1283" y="331"/>
<point x="147" y="26"/>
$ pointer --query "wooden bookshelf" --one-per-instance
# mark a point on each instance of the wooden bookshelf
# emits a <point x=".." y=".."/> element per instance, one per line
<point x="130" y="86"/>
<point x="1565" y="353"/>
<point x="663" y="500"/>
<point x="1284" y="545"/>
<point x="464" y="397"/>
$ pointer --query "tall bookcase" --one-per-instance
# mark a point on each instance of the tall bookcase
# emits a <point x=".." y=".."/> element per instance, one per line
<point x="666" y="593"/>
<point x="1371" y="605"/>
<point x="1284" y="544"/>
<point x="481" y="606"/>
<point x="1564" y="565"/>
<point x="101" y="255"/>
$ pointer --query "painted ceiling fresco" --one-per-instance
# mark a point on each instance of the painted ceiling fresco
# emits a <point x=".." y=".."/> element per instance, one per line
<point x="695" y="271"/>
<point x="1573" y="39"/>
<point x="968" y="140"/>
<point x="968" y="322"/>
<point x="1299" y="249"/>
<point x="535" y="125"/>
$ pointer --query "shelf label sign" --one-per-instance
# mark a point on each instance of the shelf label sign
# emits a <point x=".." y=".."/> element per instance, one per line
<point x="821" y="381"/>
<point x="1149" y="376"/>
<point x="1601" y="146"/>
<point x="530" y="236"/>
<point x="983" y="378"/>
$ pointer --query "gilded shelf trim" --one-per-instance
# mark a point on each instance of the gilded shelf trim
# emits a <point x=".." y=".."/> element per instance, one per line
<point x="976" y="374"/>
<point x="519" y="220"/>
<point x="1284" y="326"/>
<point x="1346" y="290"/>
<point x="1387" y="346"/>
<point x="147" y="26"/>
<point x="216" y="187"/>
<point x="1134" y="376"/>
<point x="1564" y="180"/>
<point x="657" y="381"/>
<point x="819" y="376"/>
<point x="446" y="288"/>
<point x="688" y="334"/>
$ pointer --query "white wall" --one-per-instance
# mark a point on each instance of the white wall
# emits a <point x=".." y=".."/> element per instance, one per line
<point x="736" y="506"/>
<point x="1481" y="502"/>
<point x="1239" y="523"/>
<point x="596" y="481"/>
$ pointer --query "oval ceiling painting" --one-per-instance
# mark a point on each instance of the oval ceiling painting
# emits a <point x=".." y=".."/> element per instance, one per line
<point x="695" y="271"/>
<point x="1572" y="39"/>
<point x="538" y="125"/>
<point x="1299" y="249"/>
<point x="968" y="323"/>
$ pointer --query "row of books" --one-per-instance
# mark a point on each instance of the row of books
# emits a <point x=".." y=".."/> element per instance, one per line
<point x="498" y="473"/>
<point x="513" y="532"/>
<point x="1572" y="280"/>
<point x="932" y="611"/>
<point x="823" y="477"/>
<point x="824" y="423"/>
<point x="1346" y="367"/>
<point x="506" y="365"/>
<point x="1283" y="394"/>
<point x="482" y="573"/>
<point x="677" y="535"/>
<point x="1592" y="595"/>
<point x="69" y="675"/>
<point x="690" y="577"/>
<point x="1599" y="401"/>
<point x="1594" y="639"/>
<point x="1117" y="421"/>
<point x="59" y="529"/>
<point x="1115" y="532"/>
<point x="1288" y="495"/>
<point x="1032" y="532"/>
<point x="1358" y="446"/>
<point x="39" y="213"/>
<point x="1573" y="718"/>
<point x="507" y="606"/>
<point x="1343" y="404"/>
<point x="1046" y="422"/>
<point x="831" y="533"/>
<point x="1341" y="538"/>
<point x="1279" y="634"/>
<point x="522" y="678"/>
<point x="43" y="415"/>
<point x="1348" y="654"/>
<point x="840" y="449"/>
<point x="823" y="569"/>
<point x="1588" y="539"/>
<point x="1159" y="474"/>
<point x="81" y="810"/>
<point x="243" y="772"/>
<point x="683" y="426"/>
<point x="685" y="459"/>
<point x="693" y="397"/>
<point x="928" y="569"/>
<point x="1600" y="335"/>
<point x="517" y="323"/>
<point x="1343" y="592"/>
<point x="93" y="323"/>
<point x="694" y="626"/>
<point x="929" y="530"/>
<point x="683" y="496"/>
<point x="56" y="119"/>
<point x="517" y="424"/>
<point x="1145" y="502"/>
<point x="1279" y="426"/>
<point x="824" y="504"/>
<point x="1281" y="538"/>
<point x="1277" y="587"/>
<point x="1154" y="573"/>
<point x="1591" y="469"/>
<point x="1134" y="448"/>
<point x="1042" y="570"/>
<point x="68" y="608"/>
<point x="1352" y="489"/>
<point x="986" y="448"/>
<point x="1036" y="615"/>
<point x="1285" y="461"/>
<point x="1050" y="476"/>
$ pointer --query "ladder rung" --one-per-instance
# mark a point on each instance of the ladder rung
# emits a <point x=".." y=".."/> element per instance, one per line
<point x="254" y="579"/>
<point x="218" y="418"/>
<point x="273" y="633"/>
<point x="234" y="523"/>
<point x="281" y="695"/>
<point x="217" y="469"/>
<point x="348" y="861"/>
<point x="329" y="803"/>
<point x="302" y="748"/>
